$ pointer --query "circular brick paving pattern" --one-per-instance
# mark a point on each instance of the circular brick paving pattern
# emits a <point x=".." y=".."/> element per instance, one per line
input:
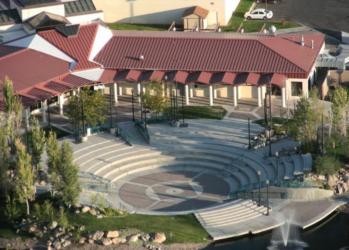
<point x="173" y="191"/>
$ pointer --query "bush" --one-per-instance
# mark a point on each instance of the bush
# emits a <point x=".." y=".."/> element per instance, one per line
<point x="45" y="213"/>
<point x="327" y="165"/>
<point x="13" y="210"/>
<point x="62" y="218"/>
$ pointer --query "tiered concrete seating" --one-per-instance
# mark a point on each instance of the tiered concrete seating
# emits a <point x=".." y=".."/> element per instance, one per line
<point x="237" y="212"/>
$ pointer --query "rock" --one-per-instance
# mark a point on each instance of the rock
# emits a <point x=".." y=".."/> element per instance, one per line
<point x="106" y="242"/>
<point x="42" y="183"/>
<point x="57" y="244"/>
<point x="33" y="229"/>
<point x="97" y="235"/>
<point x="116" y="241"/>
<point x="85" y="209"/>
<point x="133" y="238"/>
<point x="112" y="234"/>
<point x="77" y="211"/>
<point x="53" y="225"/>
<point x="82" y="240"/>
<point x="93" y="212"/>
<point x="82" y="228"/>
<point x="100" y="216"/>
<point x="332" y="180"/>
<point x="159" y="238"/>
<point x="91" y="241"/>
<point x="123" y="240"/>
<point x="145" y="237"/>
<point x="345" y="187"/>
<point x="321" y="177"/>
<point x="66" y="243"/>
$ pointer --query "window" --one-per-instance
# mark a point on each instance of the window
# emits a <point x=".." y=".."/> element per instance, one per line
<point x="296" y="88"/>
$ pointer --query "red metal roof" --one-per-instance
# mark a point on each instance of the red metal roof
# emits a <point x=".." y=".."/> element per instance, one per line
<point x="26" y="68"/>
<point x="78" y="46"/>
<point x="229" y="77"/>
<point x="181" y="76"/>
<point x="133" y="75"/>
<point x="76" y="81"/>
<point x="278" y="80"/>
<point x="108" y="76"/>
<point x="252" y="78"/>
<point x="218" y="53"/>
<point x="205" y="77"/>
<point x="157" y="75"/>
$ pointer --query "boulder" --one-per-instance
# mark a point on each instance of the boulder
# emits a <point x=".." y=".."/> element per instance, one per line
<point x="82" y="240"/>
<point x="106" y="242"/>
<point x="66" y="243"/>
<point x="112" y="234"/>
<point x="53" y="225"/>
<point x="85" y="209"/>
<point x="133" y="238"/>
<point x="100" y="216"/>
<point x="93" y="212"/>
<point x="159" y="238"/>
<point x="116" y="241"/>
<point x="332" y="180"/>
<point x="57" y="244"/>
<point x="82" y="228"/>
<point x="91" y="241"/>
<point x="145" y="237"/>
<point x="97" y="235"/>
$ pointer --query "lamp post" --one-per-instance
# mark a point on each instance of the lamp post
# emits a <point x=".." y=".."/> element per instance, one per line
<point x="270" y="119"/>
<point x="82" y="115"/>
<point x="259" y="187"/>
<point x="277" y="167"/>
<point x="249" y="133"/>
<point x="111" y="112"/>
<point x="267" y="182"/>
<point x="133" y="106"/>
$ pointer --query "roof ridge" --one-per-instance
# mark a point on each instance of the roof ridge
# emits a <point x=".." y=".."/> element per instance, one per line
<point x="261" y="41"/>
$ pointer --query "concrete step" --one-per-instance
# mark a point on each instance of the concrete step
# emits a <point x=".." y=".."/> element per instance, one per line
<point x="213" y="213"/>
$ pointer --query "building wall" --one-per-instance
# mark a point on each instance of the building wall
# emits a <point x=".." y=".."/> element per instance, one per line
<point x="160" y="11"/>
<point x="29" y="12"/>
<point x="86" y="18"/>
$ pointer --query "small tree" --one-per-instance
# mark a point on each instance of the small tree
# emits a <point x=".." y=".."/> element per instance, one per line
<point x="37" y="142"/>
<point x="24" y="176"/>
<point x="89" y="107"/>
<point x="69" y="187"/>
<point x="4" y="162"/>
<point x="340" y="102"/>
<point x="327" y="165"/>
<point x="153" y="98"/>
<point x="53" y="161"/>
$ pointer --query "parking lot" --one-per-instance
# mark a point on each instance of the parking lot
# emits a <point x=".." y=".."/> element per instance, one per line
<point x="330" y="15"/>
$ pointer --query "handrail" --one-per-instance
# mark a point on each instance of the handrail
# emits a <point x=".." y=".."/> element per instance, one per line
<point x="143" y="130"/>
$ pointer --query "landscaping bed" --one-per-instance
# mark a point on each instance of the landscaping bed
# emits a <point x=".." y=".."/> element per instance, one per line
<point x="134" y="26"/>
<point x="202" y="112"/>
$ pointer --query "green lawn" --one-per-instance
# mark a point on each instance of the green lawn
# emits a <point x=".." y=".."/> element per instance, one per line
<point x="203" y="112"/>
<point x="253" y="25"/>
<point x="131" y="26"/>
<point x="178" y="229"/>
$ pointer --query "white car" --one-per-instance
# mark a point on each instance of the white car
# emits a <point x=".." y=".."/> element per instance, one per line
<point x="259" y="14"/>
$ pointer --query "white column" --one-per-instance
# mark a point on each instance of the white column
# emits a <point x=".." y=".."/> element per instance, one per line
<point x="61" y="104"/>
<point x="139" y="91"/>
<point x="260" y="98"/>
<point x="115" y="92"/>
<point x="283" y="97"/>
<point x="74" y="92"/>
<point x="238" y="92"/>
<point x="210" y="88"/>
<point x="191" y="90"/>
<point x="264" y="90"/>
<point x="27" y="117"/>
<point x="186" y="90"/>
<point x="235" y="96"/>
<point x="214" y="92"/>
<point x="43" y="111"/>
<point x="120" y="90"/>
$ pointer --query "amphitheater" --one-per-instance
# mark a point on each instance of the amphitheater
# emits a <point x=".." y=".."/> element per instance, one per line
<point x="198" y="169"/>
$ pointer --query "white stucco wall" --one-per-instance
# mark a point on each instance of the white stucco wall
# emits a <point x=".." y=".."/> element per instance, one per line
<point x="160" y="11"/>
<point x="86" y="18"/>
<point x="26" y="13"/>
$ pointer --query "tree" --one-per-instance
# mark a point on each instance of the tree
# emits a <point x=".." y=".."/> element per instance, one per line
<point x="53" y="160"/>
<point x="69" y="187"/>
<point x="89" y="107"/>
<point x="306" y="120"/>
<point x="153" y="98"/>
<point x="340" y="102"/>
<point x="13" y="109"/>
<point x="4" y="162"/>
<point x="37" y="142"/>
<point x="327" y="165"/>
<point x="24" y="176"/>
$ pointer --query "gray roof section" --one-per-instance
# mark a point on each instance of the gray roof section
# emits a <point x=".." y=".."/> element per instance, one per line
<point x="79" y="7"/>
<point x="9" y="17"/>
<point x="31" y="3"/>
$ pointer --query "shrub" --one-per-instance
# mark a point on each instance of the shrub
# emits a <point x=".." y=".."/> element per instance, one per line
<point x="327" y="165"/>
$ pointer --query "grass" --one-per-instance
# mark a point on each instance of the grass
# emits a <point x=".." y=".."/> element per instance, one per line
<point x="253" y="25"/>
<point x="203" y="112"/>
<point x="178" y="229"/>
<point x="133" y="26"/>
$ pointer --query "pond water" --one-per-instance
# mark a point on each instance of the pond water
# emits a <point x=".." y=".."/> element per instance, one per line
<point x="332" y="234"/>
